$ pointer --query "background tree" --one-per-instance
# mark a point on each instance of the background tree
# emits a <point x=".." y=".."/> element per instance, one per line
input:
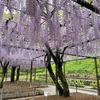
<point x="4" y="66"/>
<point x="13" y="73"/>
<point x="18" y="73"/>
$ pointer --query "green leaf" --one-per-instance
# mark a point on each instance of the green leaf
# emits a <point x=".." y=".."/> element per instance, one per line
<point x="89" y="1"/>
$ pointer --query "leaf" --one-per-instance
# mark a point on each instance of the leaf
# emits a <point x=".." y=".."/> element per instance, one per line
<point x="89" y="1"/>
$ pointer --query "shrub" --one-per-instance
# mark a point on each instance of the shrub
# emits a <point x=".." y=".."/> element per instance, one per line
<point x="94" y="85"/>
<point x="79" y="83"/>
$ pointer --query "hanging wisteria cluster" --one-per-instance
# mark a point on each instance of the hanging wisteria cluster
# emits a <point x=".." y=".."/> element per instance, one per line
<point x="60" y="23"/>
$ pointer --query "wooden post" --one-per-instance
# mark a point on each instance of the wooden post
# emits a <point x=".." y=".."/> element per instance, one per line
<point x="34" y="74"/>
<point x="27" y="75"/>
<point x="34" y="80"/>
<point x="31" y="71"/>
<point x="56" y="78"/>
<point x="6" y="76"/>
<point x="46" y="76"/>
<point x="64" y="69"/>
<point x="96" y="68"/>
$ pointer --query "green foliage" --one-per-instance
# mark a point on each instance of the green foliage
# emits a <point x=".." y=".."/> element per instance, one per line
<point x="38" y="78"/>
<point x="76" y="82"/>
<point x="0" y="70"/>
<point x="8" y="70"/>
<point x="93" y="84"/>
<point x="79" y="84"/>
<point x="8" y="15"/>
<point x="89" y="1"/>
<point x="40" y="70"/>
<point x="71" y="83"/>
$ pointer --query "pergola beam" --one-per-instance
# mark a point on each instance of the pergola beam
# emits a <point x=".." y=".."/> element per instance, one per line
<point x="78" y="55"/>
<point x="97" y="77"/>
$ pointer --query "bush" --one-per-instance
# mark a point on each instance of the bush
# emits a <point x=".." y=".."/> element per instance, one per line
<point x="71" y="82"/>
<point x="94" y="85"/>
<point x="76" y="82"/>
<point x="79" y="83"/>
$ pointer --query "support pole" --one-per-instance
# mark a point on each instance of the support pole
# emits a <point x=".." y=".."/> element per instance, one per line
<point x="96" y="68"/>
<point x="31" y="71"/>
<point x="46" y="76"/>
<point x="27" y="75"/>
<point x="56" y="78"/>
<point x="6" y="76"/>
<point x="34" y="74"/>
<point x="64" y="69"/>
<point x="34" y="80"/>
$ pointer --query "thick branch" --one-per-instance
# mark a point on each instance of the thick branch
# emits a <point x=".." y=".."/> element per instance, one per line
<point x="1" y="63"/>
<point x="63" y="53"/>
<point x="50" y="51"/>
<point x="59" y="61"/>
<point x="88" y="5"/>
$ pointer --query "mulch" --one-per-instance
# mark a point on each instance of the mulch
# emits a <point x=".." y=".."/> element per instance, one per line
<point x="21" y="86"/>
<point x="25" y="87"/>
<point x="22" y="89"/>
<point x="73" y="96"/>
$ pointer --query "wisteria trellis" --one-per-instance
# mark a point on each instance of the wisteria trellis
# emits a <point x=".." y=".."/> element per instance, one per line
<point x="61" y="23"/>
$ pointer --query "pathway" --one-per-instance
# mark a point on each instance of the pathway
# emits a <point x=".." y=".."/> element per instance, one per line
<point x="51" y="90"/>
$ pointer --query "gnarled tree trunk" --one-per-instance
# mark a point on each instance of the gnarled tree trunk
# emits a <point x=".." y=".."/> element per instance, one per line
<point x="62" y="77"/>
<point x="58" y="60"/>
<point x="59" y="88"/>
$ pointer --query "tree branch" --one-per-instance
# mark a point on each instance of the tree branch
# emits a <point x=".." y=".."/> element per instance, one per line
<point x="63" y="53"/>
<point x="1" y="63"/>
<point x="50" y="51"/>
<point x="88" y="5"/>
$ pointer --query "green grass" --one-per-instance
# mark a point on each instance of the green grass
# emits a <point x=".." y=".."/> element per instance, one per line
<point x="89" y="1"/>
<point x="81" y="66"/>
<point x="85" y="66"/>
